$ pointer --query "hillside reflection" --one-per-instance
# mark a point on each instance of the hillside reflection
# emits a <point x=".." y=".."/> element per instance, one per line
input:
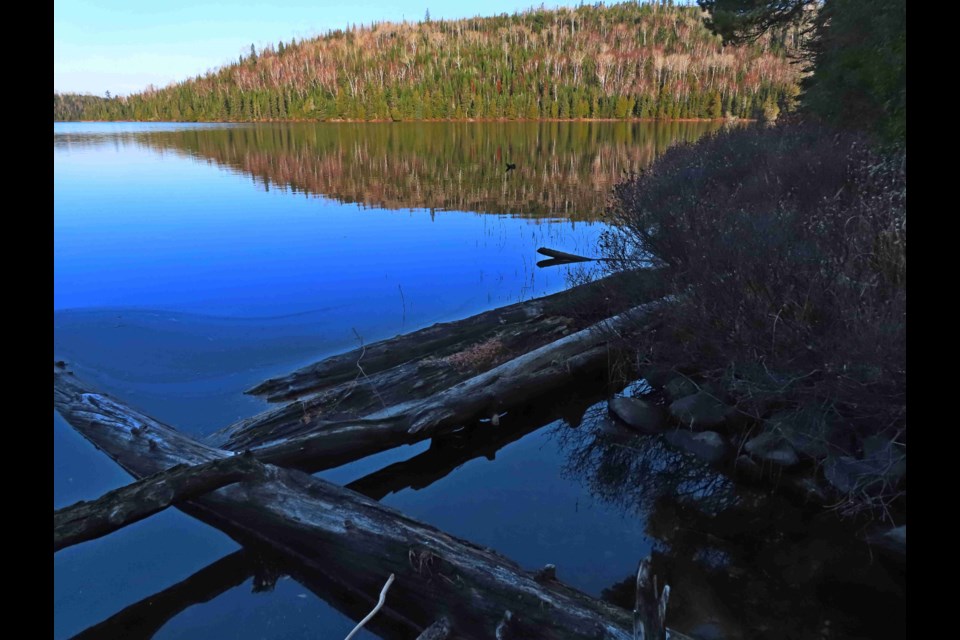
<point x="563" y="169"/>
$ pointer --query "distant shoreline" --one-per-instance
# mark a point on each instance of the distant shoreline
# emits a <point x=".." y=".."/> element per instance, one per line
<point x="432" y="120"/>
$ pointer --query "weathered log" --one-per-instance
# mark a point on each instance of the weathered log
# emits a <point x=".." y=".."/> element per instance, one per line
<point x="116" y="509"/>
<point x="522" y="320"/>
<point x="340" y="532"/>
<point x="322" y="444"/>
<point x="439" y="630"/>
<point x="650" y="608"/>
<point x="412" y="380"/>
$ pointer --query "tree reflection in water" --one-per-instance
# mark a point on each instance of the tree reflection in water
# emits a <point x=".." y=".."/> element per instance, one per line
<point x="741" y="562"/>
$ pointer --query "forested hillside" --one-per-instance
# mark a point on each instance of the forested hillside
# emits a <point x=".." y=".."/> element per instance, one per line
<point x="622" y="61"/>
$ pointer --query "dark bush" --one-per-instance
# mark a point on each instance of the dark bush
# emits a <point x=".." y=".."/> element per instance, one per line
<point x="786" y="248"/>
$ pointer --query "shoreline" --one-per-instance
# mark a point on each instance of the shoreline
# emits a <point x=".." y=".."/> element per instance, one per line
<point x="432" y="120"/>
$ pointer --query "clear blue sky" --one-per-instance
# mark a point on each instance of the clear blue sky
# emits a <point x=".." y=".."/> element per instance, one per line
<point x="121" y="46"/>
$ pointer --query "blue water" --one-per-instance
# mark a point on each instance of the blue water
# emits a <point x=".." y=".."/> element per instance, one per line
<point x="179" y="282"/>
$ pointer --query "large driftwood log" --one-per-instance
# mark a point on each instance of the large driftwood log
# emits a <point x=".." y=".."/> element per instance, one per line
<point x="518" y="327"/>
<point x="342" y="533"/>
<point x="116" y="509"/>
<point x="322" y="444"/>
<point x="413" y="380"/>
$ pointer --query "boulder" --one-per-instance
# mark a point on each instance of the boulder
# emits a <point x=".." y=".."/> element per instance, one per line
<point x="701" y="411"/>
<point x="746" y="467"/>
<point x="658" y="376"/>
<point x="679" y="387"/>
<point x="638" y="414"/>
<point x="846" y="472"/>
<point x="706" y="445"/>
<point x="806" y="430"/>
<point x="883" y="464"/>
<point x="894" y="539"/>
<point x="772" y="447"/>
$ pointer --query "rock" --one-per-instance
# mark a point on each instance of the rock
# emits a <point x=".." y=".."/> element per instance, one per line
<point x="806" y="430"/>
<point x="808" y="489"/>
<point x="658" y="376"/>
<point x="700" y="411"/>
<point x="640" y="415"/>
<point x="747" y="467"/>
<point x="845" y="472"/>
<point x="883" y="465"/>
<point x="771" y="447"/>
<point x="706" y="445"/>
<point x="679" y="387"/>
<point x="894" y="539"/>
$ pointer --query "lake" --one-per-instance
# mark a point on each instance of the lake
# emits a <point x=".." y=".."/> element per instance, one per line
<point x="192" y="261"/>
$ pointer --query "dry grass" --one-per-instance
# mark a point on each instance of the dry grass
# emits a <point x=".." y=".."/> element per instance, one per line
<point x="476" y="356"/>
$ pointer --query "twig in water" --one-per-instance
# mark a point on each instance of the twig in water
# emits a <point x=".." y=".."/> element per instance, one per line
<point x="403" y="301"/>
<point x="383" y="598"/>
<point x="363" y="352"/>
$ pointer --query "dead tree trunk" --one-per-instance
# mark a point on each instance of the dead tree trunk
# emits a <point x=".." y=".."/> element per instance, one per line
<point x="116" y="509"/>
<point x="344" y="534"/>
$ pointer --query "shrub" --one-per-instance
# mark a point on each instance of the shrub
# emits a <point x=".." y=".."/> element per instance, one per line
<point x="786" y="247"/>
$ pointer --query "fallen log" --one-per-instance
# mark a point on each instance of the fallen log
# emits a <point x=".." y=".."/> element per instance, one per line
<point x="412" y="380"/>
<point x="335" y="530"/>
<point x="321" y="444"/>
<point x="439" y="630"/>
<point x="116" y="509"/>
<point x="521" y="320"/>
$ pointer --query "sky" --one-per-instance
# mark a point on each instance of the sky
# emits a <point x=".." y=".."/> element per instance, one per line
<point x="121" y="46"/>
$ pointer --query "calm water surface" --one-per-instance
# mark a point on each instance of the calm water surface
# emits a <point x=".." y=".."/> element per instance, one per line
<point x="192" y="261"/>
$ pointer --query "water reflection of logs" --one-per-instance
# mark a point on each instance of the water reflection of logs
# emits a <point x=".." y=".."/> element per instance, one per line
<point x="356" y="542"/>
<point x="352" y="539"/>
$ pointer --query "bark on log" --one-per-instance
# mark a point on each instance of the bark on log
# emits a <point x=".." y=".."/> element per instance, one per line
<point x="439" y="630"/>
<point x="444" y="339"/>
<point x="412" y="380"/>
<point x="342" y="533"/>
<point x="116" y="509"/>
<point x="321" y="444"/>
<point x="650" y="608"/>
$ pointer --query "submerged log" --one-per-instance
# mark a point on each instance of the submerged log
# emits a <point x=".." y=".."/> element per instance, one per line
<point x="321" y="444"/>
<point x="523" y="325"/>
<point x="563" y="255"/>
<point x="116" y="509"/>
<point x="335" y="530"/>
